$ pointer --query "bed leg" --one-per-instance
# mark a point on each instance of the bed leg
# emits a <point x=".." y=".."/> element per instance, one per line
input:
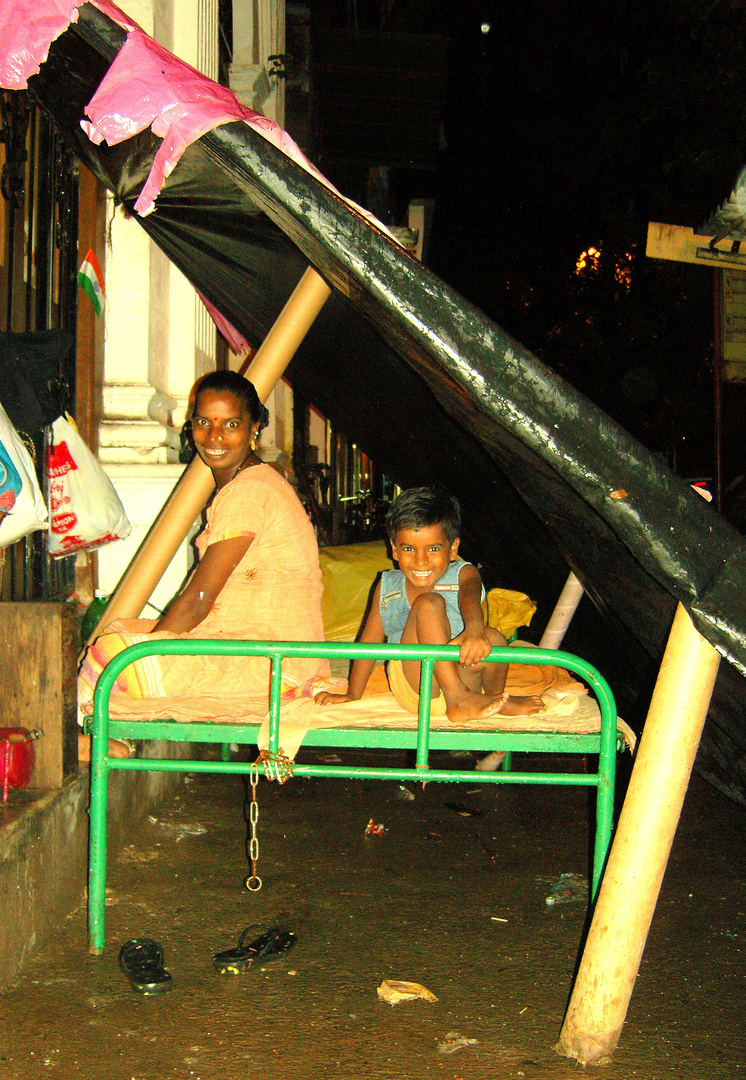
<point x="97" y="847"/>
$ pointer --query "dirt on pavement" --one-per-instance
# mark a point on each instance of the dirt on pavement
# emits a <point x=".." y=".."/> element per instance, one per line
<point x="452" y="895"/>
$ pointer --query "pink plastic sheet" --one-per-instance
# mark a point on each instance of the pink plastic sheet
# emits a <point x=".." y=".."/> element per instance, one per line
<point x="148" y="87"/>
<point x="144" y="87"/>
<point x="28" y="28"/>
<point x="235" y="338"/>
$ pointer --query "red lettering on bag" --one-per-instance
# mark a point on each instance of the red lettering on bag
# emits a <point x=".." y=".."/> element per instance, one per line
<point x="60" y="460"/>
<point x="62" y="523"/>
<point x="75" y="543"/>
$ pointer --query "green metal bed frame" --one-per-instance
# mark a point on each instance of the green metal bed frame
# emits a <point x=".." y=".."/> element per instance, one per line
<point x="422" y="739"/>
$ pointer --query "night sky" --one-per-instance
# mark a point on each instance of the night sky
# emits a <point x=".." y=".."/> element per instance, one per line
<point x="569" y="127"/>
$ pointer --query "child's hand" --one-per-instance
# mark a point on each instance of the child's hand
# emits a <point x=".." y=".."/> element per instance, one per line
<point x="324" y="698"/>
<point x="475" y="646"/>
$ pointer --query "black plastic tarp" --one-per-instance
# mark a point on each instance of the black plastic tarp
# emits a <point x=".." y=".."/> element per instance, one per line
<point x="434" y="391"/>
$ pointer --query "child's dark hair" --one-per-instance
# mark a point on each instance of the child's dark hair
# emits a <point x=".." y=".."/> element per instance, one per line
<point x="221" y="382"/>
<point x="421" y="507"/>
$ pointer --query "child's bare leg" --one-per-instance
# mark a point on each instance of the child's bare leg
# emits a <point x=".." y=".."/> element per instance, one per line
<point x="428" y="625"/>
<point x="493" y="678"/>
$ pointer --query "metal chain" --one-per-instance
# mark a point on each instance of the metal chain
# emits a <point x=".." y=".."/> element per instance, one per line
<point x="253" y="882"/>
<point x="276" y="767"/>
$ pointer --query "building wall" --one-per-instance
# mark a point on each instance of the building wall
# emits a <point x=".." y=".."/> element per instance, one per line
<point x="44" y="853"/>
<point x="159" y="337"/>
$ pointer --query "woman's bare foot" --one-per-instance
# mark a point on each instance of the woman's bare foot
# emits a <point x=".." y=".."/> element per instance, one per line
<point x="492" y="762"/>
<point x="521" y="706"/>
<point x="116" y="749"/>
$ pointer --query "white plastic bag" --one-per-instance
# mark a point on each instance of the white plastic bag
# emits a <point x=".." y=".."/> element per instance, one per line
<point x="28" y="512"/>
<point x="85" y="511"/>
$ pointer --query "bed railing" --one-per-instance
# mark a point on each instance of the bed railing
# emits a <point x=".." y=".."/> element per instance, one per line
<point x="421" y="740"/>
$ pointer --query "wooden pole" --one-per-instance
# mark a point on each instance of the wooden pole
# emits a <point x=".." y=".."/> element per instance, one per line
<point x="717" y="380"/>
<point x="639" y="854"/>
<point x="562" y="615"/>
<point x="196" y="482"/>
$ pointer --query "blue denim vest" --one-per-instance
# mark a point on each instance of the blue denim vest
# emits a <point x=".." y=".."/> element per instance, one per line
<point x="395" y="607"/>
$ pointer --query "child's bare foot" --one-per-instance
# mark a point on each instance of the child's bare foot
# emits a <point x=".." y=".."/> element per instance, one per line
<point x="521" y="706"/>
<point x="473" y="706"/>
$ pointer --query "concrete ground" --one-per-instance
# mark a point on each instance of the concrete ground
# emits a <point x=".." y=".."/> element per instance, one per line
<point x="451" y="895"/>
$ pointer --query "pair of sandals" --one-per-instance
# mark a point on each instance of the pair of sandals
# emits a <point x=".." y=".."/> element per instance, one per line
<point x="142" y="959"/>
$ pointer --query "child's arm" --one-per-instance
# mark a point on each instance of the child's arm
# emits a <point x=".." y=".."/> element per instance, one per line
<point x="361" y="669"/>
<point x="473" y="639"/>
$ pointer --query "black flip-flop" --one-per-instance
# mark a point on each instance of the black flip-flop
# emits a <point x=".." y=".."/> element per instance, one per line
<point x="272" y="942"/>
<point x="141" y="960"/>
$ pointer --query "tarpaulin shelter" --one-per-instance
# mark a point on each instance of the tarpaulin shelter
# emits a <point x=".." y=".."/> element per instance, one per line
<point x="427" y="385"/>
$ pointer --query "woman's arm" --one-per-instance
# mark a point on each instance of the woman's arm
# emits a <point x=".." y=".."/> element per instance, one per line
<point x="193" y="603"/>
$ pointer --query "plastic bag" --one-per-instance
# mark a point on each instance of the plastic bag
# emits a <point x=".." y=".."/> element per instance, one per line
<point x="10" y="482"/>
<point x="28" y="512"/>
<point x="85" y="511"/>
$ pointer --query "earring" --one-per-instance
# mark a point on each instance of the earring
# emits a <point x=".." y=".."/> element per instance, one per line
<point x="253" y="443"/>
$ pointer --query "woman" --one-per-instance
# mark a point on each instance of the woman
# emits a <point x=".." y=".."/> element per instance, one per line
<point x="258" y="574"/>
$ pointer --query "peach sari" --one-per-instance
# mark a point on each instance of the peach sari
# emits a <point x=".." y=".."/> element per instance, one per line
<point x="274" y="594"/>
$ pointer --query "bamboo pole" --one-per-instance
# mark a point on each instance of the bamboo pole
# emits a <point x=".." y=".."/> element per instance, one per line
<point x="639" y="854"/>
<point x="196" y="482"/>
<point x="561" y="617"/>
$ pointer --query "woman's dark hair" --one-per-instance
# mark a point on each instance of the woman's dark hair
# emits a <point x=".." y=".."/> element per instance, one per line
<point x="221" y="382"/>
<point x="421" y="507"/>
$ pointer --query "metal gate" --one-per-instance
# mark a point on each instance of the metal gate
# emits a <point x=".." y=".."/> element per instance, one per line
<point x="38" y="310"/>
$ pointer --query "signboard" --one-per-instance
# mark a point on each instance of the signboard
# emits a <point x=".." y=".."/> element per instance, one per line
<point x="680" y="244"/>
<point x="733" y="325"/>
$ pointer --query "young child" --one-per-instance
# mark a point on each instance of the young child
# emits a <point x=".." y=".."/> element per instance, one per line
<point x="434" y="598"/>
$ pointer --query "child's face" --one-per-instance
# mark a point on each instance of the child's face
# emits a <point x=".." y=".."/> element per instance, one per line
<point x="424" y="555"/>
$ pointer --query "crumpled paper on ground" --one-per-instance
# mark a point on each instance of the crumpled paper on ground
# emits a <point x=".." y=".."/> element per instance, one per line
<point x="454" y="1041"/>
<point x="394" y="991"/>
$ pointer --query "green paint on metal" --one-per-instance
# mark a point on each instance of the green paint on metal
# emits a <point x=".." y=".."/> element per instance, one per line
<point x="422" y="740"/>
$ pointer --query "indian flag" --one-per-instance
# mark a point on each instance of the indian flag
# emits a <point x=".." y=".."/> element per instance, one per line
<point x="91" y="280"/>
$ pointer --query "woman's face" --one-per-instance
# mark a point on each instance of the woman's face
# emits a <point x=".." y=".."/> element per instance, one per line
<point x="222" y="432"/>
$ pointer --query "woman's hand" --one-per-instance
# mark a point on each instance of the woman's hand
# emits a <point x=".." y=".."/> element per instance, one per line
<point x="195" y="600"/>
<point x="325" y="698"/>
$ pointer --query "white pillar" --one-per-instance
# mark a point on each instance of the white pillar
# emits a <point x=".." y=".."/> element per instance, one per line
<point x="258" y="33"/>
<point x="158" y="337"/>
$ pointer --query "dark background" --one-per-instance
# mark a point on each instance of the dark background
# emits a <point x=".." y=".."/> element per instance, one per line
<point x="565" y="128"/>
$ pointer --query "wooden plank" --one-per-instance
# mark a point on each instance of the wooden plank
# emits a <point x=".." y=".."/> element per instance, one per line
<point x="733" y="325"/>
<point x="38" y="647"/>
<point x="680" y="244"/>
